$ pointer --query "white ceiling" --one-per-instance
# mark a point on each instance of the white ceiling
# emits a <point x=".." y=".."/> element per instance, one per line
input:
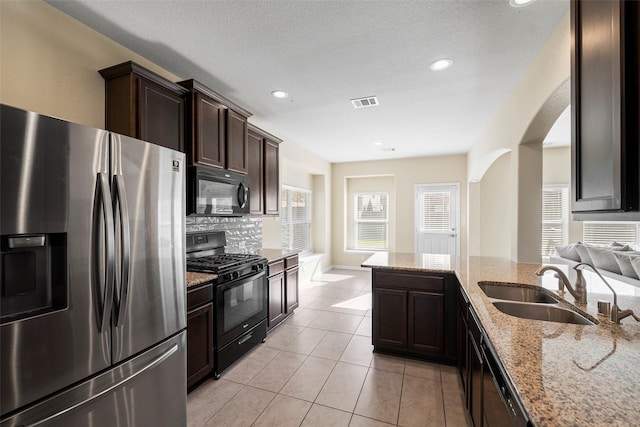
<point x="326" y="52"/>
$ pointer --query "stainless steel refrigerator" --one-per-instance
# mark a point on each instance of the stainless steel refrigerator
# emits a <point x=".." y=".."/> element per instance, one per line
<point x="93" y="277"/>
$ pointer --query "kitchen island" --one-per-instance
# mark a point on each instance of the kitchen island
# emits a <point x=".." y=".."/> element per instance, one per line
<point x="563" y="374"/>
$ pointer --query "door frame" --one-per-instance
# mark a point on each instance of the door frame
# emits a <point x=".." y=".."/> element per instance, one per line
<point x="416" y="211"/>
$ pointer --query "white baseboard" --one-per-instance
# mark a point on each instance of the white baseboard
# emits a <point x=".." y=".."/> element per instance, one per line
<point x="346" y="267"/>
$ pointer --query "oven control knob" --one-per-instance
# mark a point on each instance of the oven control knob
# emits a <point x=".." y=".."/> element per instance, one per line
<point x="257" y="267"/>
<point x="228" y="277"/>
<point x="236" y="274"/>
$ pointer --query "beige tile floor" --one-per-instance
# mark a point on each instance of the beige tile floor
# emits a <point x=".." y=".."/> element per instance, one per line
<point x="318" y="369"/>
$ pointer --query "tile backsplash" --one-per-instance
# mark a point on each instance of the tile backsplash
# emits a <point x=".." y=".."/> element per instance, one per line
<point x="244" y="234"/>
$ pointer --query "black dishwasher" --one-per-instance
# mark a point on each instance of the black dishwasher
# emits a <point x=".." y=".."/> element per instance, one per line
<point x="500" y="405"/>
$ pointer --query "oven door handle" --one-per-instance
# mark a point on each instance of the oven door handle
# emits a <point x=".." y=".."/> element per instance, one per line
<point x="233" y="283"/>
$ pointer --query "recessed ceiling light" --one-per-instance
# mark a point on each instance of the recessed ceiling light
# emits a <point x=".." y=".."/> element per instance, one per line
<point x="377" y="144"/>
<point x="520" y="3"/>
<point x="441" y="64"/>
<point x="280" y="93"/>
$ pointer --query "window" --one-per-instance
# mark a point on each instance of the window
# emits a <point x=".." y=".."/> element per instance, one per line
<point x="602" y="232"/>
<point x="371" y="221"/>
<point x="436" y="212"/>
<point x="296" y="219"/>
<point x="555" y="218"/>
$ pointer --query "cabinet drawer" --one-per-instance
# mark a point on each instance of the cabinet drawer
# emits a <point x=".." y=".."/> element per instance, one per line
<point x="199" y="296"/>
<point x="411" y="281"/>
<point x="276" y="267"/>
<point x="291" y="261"/>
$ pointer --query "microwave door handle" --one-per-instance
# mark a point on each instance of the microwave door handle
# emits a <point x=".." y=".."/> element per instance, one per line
<point x="120" y="200"/>
<point x="103" y="202"/>
<point x="242" y="195"/>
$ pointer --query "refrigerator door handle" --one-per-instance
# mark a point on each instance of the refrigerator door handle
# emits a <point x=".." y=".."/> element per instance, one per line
<point x="120" y="200"/>
<point x="103" y="202"/>
<point x="164" y="356"/>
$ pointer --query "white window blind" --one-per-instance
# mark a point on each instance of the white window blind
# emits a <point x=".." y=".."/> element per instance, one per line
<point x="607" y="232"/>
<point x="555" y="218"/>
<point x="436" y="212"/>
<point x="296" y="219"/>
<point x="371" y="221"/>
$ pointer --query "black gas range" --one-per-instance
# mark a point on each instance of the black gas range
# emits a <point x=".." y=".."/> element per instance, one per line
<point x="239" y="298"/>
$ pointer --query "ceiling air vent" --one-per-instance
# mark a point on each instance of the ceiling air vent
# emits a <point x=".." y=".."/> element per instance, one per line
<point x="369" y="101"/>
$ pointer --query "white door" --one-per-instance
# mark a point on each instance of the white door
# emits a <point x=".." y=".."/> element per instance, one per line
<point x="436" y="218"/>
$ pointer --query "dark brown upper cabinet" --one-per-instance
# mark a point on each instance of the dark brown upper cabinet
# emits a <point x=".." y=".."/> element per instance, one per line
<point x="264" y="172"/>
<point x="605" y="116"/>
<point x="216" y="129"/>
<point x="256" y="170"/>
<point x="271" y="177"/>
<point x="144" y="105"/>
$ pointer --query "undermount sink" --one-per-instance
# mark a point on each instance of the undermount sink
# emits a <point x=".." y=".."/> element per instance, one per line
<point x="517" y="293"/>
<point x="550" y="313"/>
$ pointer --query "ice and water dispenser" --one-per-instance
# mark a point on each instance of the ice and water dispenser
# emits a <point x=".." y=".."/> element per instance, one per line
<point x="33" y="274"/>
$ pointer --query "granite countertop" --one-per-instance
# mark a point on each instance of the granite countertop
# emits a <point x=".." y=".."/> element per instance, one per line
<point x="277" y="254"/>
<point x="194" y="279"/>
<point x="564" y="374"/>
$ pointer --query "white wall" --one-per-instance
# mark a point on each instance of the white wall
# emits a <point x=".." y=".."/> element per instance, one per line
<point x="556" y="169"/>
<point x="49" y="62"/>
<point x="548" y="72"/>
<point x="406" y="174"/>
<point x="495" y="216"/>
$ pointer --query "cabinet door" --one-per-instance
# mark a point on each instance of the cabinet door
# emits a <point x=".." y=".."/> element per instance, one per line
<point x="426" y="323"/>
<point x="277" y="299"/>
<point x="199" y="343"/>
<point x="256" y="170"/>
<point x="390" y="318"/>
<point x="604" y="105"/>
<point x="463" y="331"/>
<point x="161" y="116"/>
<point x="292" y="289"/>
<point x="476" y="379"/>
<point x="209" y="135"/>
<point x="236" y="142"/>
<point x="271" y="178"/>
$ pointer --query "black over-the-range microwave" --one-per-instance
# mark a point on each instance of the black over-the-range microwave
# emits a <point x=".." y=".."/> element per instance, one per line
<point x="217" y="192"/>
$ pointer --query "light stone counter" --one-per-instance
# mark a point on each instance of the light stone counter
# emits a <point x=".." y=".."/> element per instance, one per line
<point x="276" y="254"/>
<point x="564" y="374"/>
<point x="194" y="279"/>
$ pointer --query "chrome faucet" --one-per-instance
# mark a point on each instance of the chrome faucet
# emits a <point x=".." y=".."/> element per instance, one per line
<point x="616" y="313"/>
<point x="580" y="291"/>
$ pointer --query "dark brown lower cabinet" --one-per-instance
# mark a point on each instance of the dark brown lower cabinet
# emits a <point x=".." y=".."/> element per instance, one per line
<point x="463" y="332"/>
<point x="291" y="283"/>
<point x="283" y="289"/>
<point x="199" y="344"/>
<point x="277" y="300"/>
<point x="426" y="322"/>
<point x="490" y="399"/>
<point x="200" y="358"/>
<point x="414" y="314"/>
<point x="390" y="329"/>
<point x="476" y="373"/>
